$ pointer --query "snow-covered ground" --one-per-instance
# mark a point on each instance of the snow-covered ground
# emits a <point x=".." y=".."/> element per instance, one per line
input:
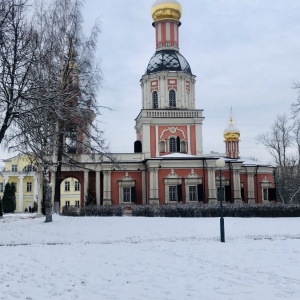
<point x="149" y="258"/>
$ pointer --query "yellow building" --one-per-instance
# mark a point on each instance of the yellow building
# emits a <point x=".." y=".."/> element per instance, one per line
<point x="28" y="181"/>
<point x="20" y="171"/>
<point x="70" y="192"/>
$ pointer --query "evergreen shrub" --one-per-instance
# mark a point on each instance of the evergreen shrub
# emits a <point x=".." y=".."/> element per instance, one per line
<point x="9" y="198"/>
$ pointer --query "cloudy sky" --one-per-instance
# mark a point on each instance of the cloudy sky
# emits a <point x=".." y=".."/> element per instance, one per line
<point x="245" y="54"/>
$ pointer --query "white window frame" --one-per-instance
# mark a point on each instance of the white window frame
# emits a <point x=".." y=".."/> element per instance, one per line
<point x="171" y="145"/>
<point x="77" y="186"/>
<point x="171" y="180"/>
<point x="67" y="203"/>
<point x="67" y="186"/>
<point x="192" y="179"/>
<point x="125" y="182"/>
<point x="154" y="100"/>
<point x="14" y="168"/>
<point x="126" y="194"/>
<point x="173" y="194"/>
<point x="77" y="203"/>
<point x="265" y="185"/>
<point x="193" y="193"/>
<point x="28" y="186"/>
<point x="172" y="101"/>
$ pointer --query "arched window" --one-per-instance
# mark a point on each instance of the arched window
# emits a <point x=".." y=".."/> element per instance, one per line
<point x="162" y="146"/>
<point x="183" y="147"/>
<point x="172" y="144"/>
<point x="154" y="100"/>
<point x="172" y="98"/>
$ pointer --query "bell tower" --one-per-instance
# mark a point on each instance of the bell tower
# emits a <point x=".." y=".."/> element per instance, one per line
<point x="168" y="121"/>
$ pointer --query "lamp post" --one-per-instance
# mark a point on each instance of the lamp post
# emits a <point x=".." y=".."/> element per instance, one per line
<point x="220" y="163"/>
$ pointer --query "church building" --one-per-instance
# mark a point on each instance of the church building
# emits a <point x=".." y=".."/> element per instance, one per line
<point x="168" y="164"/>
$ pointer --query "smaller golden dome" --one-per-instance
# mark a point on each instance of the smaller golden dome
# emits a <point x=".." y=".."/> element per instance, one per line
<point x="231" y="133"/>
<point x="166" y="10"/>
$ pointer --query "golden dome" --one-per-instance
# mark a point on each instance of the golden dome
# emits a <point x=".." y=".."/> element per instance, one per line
<point x="231" y="133"/>
<point x="166" y="10"/>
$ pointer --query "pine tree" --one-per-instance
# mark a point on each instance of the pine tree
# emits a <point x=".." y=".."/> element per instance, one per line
<point x="9" y="198"/>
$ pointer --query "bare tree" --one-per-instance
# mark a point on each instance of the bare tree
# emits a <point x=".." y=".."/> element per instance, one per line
<point x="55" y="119"/>
<point x="296" y="106"/>
<point x="283" y="143"/>
<point x="279" y="139"/>
<point x="18" y="50"/>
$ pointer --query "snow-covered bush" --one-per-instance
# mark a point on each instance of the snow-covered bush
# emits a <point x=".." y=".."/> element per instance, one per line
<point x="145" y="210"/>
<point x="207" y="210"/>
<point x="93" y="211"/>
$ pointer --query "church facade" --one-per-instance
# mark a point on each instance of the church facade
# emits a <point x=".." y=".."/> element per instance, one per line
<point x="168" y="164"/>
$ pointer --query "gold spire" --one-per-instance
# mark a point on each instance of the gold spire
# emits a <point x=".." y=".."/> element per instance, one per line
<point x="166" y="10"/>
<point x="231" y="133"/>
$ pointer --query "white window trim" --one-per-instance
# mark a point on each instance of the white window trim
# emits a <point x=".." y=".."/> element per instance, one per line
<point x="77" y="183"/>
<point x="265" y="185"/>
<point x="171" y="179"/>
<point x="192" y="180"/>
<point x="28" y="184"/>
<point x="67" y="183"/>
<point x="188" y="194"/>
<point x="125" y="182"/>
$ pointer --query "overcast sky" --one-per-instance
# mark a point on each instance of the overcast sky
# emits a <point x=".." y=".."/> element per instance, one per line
<point x="245" y="54"/>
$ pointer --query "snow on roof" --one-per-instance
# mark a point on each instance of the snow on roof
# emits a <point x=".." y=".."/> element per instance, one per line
<point x="178" y="155"/>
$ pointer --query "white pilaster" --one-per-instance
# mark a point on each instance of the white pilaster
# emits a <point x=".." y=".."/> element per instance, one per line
<point x="106" y="187"/>
<point x="250" y="181"/>
<point x="20" y="207"/>
<point x="86" y="184"/>
<point x="40" y="191"/>
<point x="6" y="178"/>
<point x="154" y="186"/>
<point x="146" y="140"/>
<point x="212" y="193"/>
<point x="98" y="187"/>
<point x="237" y="187"/>
<point x="189" y="139"/>
<point x="156" y="141"/>
<point x="35" y="187"/>
<point x="198" y="137"/>
<point x="183" y="93"/>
